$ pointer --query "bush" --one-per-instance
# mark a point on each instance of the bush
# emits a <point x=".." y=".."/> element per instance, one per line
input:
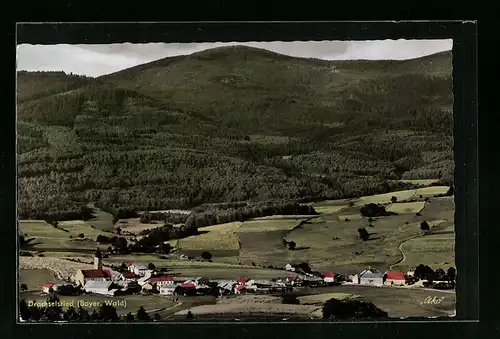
<point x="348" y="309"/>
<point x="363" y="234"/>
<point x="81" y="235"/>
<point x="206" y="255"/>
<point x="373" y="210"/>
<point x="292" y="245"/>
<point x="290" y="299"/>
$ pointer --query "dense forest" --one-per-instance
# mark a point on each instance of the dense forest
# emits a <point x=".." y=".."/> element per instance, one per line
<point x="231" y="125"/>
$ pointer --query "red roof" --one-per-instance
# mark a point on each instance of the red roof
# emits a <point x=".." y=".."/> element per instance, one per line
<point x="128" y="265"/>
<point x="161" y="279"/>
<point x="395" y="275"/>
<point x="291" y="278"/>
<point x="129" y="275"/>
<point x="95" y="273"/>
<point x="188" y="285"/>
<point x="48" y="285"/>
<point x="329" y="275"/>
<point x="239" y="288"/>
<point x="242" y="280"/>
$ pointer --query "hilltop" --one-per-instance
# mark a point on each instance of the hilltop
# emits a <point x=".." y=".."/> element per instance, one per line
<point x="231" y="124"/>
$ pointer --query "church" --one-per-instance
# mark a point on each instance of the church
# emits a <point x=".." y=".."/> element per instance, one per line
<point x="96" y="274"/>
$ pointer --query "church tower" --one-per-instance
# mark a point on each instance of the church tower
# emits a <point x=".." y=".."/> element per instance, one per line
<point x="98" y="260"/>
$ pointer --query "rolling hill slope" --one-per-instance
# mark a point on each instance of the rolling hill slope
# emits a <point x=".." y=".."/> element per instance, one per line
<point x="231" y="124"/>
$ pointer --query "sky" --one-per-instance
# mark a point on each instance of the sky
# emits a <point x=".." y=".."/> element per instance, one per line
<point x="97" y="60"/>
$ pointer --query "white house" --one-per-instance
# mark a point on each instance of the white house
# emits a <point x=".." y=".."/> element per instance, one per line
<point x="329" y="277"/>
<point x="289" y="267"/>
<point x="140" y="270"/>
<point x="410" y="273"/>
<point x="98" y="287"/>
<point x="167" y="289"/>
<point x="47" y="288"/>
<point x="369" y="277"/>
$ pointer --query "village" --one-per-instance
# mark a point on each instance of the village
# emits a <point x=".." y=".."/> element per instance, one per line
<point x="141" y="279"/>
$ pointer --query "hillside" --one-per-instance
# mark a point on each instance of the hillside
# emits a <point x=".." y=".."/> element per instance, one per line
<point x="231" y="124"/>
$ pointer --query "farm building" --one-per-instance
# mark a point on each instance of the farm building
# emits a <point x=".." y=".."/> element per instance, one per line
<point x="47" y="288"/>
<point x="148" y="287"/>
<point x="129" y="276"/>
<point x="245" y="281"/>
<point x="395" y="278"/>
<point x="410" y="273"/>
<point x="162" y="281"/>
<point x="239" y="289"/>
<point x="371" y="277"/>
<point x="140" y="270"/>
<point x="293" y="280"/>
<point x="167" y="289"/>
<point x="353" y="278"/>
<point x="289" y="267"/>
<point x="329" y="277"/>
<point x="99" y="287"/>
<point x="310" y="280"/>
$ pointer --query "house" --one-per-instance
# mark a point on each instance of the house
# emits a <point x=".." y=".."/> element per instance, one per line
<point x="289" y="267"/>
<point x="129" y="276"/>
<point x="99" y="287"/>
<point x="310" y="280"/>
<point x="47" y="288"/>
<point x="167" y="289"/>
<point x="395" y="278"/>
<point x="410" y="273"/>
<point x="148" y="287"/>
<point x="292" y="280"/>
<point x="239" y="289"/>
<point x="353" y="278"/>
<point x="140" y="270"/>
<point x="162" y="281"/>
<point x="329" y="277"/>
<point x="371" y="277"/>
<point x="244" y="281"/>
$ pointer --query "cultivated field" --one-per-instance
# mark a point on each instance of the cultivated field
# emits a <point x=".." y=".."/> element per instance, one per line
<point x="62" y="268"/>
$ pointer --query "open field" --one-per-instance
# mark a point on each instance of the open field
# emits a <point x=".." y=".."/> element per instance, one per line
<point x="406" y="207"/>
<point x="322" y="298"/>
<point x="132" y="302"/>
<point x="133" y="225"/>
<point x="62" y="268"/>
<point x="328" y="209"/>
<point x="217" y="237"/>
<point x="36" y="278"/>
<point x="102" y="220"/>
<point x="242" y="309"/>
<point x="270" y="224"/>
<point x="48" y="237"/>
<point x="397" y="302"/>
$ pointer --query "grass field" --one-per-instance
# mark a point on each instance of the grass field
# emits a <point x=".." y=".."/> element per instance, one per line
<point x="322" y="298"/>
<point x="406" y="207"/>
<point x="102" y="220"/>
<point x="133" y="225"/>
<point x="271" y="224"/>
<point x="48" y="237"/>
<point x="223" y="236"/>
<point x="35" y="279"/>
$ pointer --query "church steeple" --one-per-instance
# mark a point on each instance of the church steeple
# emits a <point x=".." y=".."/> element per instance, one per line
<point x="98" y="260"/>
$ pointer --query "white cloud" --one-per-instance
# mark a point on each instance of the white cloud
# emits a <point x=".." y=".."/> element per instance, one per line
<point x="96" y="60"/>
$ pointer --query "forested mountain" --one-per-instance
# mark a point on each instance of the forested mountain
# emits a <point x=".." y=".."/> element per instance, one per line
<point x="231" y="124"/>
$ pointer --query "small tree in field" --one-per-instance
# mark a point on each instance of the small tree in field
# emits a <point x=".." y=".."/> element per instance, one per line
<point x="151" y="266"/>
<point x="206" y="255"/>
<point x="363" y="234"/>
<point x="394" y="199"/>
<point x="424" y="226"/>
<point x="292" y="245"/>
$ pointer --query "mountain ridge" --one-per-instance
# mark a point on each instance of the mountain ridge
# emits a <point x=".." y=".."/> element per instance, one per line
<point x="232" y="125"/>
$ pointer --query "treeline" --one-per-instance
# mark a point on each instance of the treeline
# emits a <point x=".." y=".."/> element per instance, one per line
<point x="167" y="217"/>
